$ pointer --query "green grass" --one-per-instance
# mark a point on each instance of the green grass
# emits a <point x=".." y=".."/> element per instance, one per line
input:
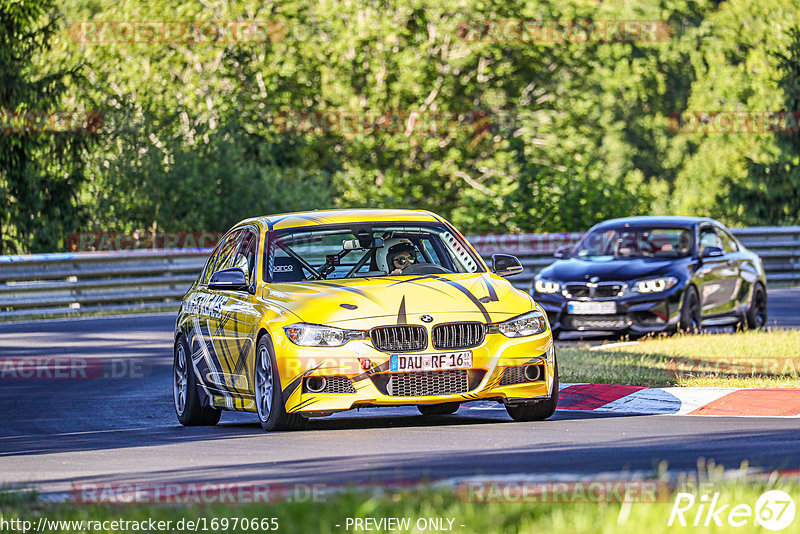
<point x="487" y="518"/>
<point x="765" y="359"/>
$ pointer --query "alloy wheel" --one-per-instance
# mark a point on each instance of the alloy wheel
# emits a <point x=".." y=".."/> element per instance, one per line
<point x="264" y="384"/>
<point x="180" y="382"/>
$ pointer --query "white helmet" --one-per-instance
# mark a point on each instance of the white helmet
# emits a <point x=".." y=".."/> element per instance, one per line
<point x="383" y="253"/>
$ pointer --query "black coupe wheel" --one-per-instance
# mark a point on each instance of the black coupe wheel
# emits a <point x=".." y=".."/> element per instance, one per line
<point x="445" y="408"/>
<point x="186" y="399"/>
<point x="757" y="312"/>
<point x="690" y="317"/>
<point x="537" y="410"/>
<point x="268" y="396"/>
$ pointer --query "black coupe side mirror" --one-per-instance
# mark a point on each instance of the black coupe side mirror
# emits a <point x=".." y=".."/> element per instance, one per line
<point x="713" y="252"/>
<point x="232" y="279"/>
<point x="506" y="265"/>
<point x="562" y="252"/>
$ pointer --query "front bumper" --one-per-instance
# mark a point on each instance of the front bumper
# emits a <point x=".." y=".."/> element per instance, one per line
<point x="639" y="313"/>
<point x="357" y="387"/>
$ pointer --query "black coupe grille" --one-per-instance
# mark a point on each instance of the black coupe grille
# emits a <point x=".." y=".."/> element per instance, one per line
<point x="606" y="291"/>
<point x="603" y="290"/>
<point x="598" y="322"/>
<point x="577" y="291"/>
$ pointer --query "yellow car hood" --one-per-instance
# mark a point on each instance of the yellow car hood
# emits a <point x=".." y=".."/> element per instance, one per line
<point x="357" y="302"/>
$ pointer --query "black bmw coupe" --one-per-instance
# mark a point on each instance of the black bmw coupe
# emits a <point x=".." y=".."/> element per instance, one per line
<point x="642" y="275"/>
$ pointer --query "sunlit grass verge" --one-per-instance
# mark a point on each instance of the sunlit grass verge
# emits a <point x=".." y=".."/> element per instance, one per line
<point x="526" y="514"/>
<point x="762" y="359"/>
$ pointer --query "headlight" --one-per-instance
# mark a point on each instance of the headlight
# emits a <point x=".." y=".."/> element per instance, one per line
<point x="546" y="286"/>
<point x="655" y="285"/>
<point x="530" y="324"/>
<point x="313" y="335"/>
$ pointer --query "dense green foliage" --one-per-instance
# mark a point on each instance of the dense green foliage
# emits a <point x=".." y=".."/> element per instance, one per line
<point x="40" y="173"/>
<point x="572" y="133"/>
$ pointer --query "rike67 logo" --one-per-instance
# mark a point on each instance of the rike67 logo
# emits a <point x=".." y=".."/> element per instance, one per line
<point x="774" y="510"/>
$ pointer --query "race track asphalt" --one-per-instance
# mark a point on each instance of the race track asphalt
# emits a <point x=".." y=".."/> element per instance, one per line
<point x="58" y="432"/>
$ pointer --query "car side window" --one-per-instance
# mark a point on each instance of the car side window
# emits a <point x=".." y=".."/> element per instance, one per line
<point x="227" y="252"/>
<point x="246" y="256"/>
<point x="209" y="269"/>
<point x="728" y="242"/>
<point x="709" y="238"/>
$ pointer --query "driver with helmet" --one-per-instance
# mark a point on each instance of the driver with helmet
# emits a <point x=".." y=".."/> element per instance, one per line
<point x="399" y="255"/>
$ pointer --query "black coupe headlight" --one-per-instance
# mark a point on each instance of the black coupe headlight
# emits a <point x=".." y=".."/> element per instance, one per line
<point x="546" y="287"/>
<point x="655" y="285"/>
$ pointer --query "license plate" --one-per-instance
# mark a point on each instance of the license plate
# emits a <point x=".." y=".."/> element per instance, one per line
<point x="592" y="308"/>
<point x="400" y="363"/>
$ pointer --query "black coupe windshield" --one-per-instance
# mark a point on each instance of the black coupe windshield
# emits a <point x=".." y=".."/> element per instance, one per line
<point x="363" y="251"/>
<point x="628" y="242"/>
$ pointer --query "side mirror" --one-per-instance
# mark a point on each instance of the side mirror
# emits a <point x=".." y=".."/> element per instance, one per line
<point x="713" y="252"/>
<point x="562" y="252"/>
<point x="232" y="279"/>
<point x="505" y="265"/>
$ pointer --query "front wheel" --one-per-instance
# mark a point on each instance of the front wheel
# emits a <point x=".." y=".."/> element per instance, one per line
<point x="757" y="311"/>
<point x="690" y="317"/>
<point x="445" y="408"/>
<point x="267" y="384"/>
<point x="538" y="410"/>
<point x="186" y="399"/>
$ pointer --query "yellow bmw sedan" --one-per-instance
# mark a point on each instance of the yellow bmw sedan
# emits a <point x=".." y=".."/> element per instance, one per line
<point x="307" y="314"/>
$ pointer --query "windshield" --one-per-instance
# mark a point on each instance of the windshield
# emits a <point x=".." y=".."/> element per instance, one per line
<point x="628" y="242"/>
<point x="360" y="251"/>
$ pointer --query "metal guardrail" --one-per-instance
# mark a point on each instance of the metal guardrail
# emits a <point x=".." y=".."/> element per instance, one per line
<point x="85" y="283"/>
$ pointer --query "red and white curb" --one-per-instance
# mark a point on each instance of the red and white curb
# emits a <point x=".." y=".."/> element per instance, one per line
<point x="638" y="400"/>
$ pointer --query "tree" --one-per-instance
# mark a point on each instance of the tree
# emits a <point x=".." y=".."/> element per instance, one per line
<point x="772" y="194"/>
<point x="41" y="151"/>
<point x="744" y="60"/>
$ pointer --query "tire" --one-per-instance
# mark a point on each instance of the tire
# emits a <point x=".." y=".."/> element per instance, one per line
<point x="756" y="315"/>
<point x="537" y="410"/>
<point x="445" y="408"/>
<point x="690" y="317"/>
<point x="268" y="395"/>
<point x="185" y="395"/>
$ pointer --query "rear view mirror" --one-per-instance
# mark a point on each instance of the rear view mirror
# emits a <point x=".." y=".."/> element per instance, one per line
<point x="358" y="244"/>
